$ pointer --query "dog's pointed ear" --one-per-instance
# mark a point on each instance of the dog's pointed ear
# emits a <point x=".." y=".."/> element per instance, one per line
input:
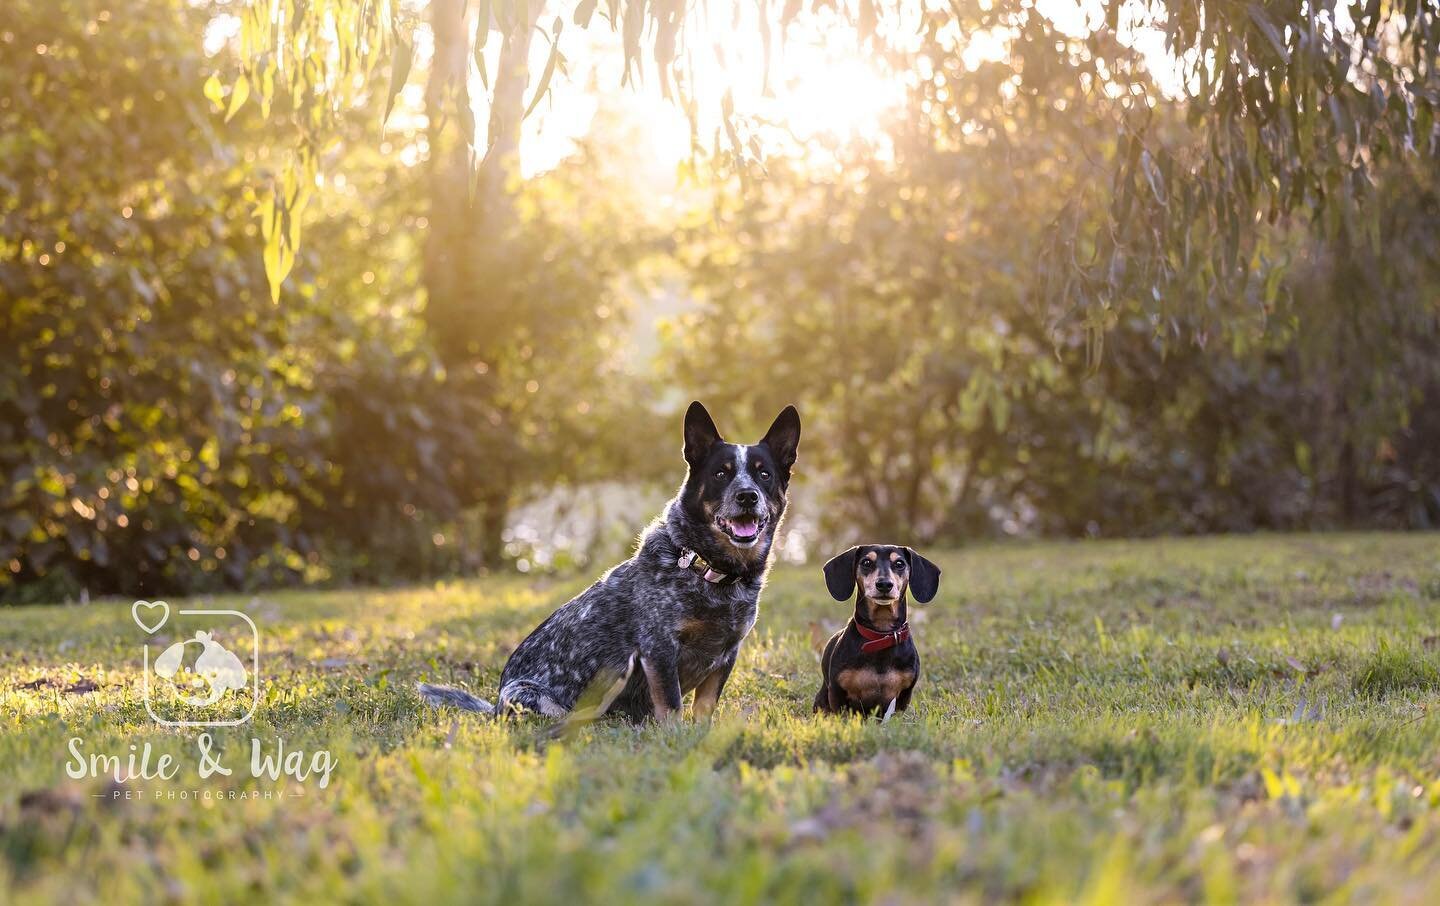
<point x="700" y="434"/>
<point x="840" y="574"/>
<point x="783" y="438"/>
<point x="924" y="577"/>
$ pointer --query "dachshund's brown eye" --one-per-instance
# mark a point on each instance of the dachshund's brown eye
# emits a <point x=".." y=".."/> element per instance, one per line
<point x="764" y="475"/>
<point x="898" y="565"/>
<point x="720" y="474"/>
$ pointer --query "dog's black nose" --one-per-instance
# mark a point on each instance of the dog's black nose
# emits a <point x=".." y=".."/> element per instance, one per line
<point x="884" y="588"/>
<point x="747" y="498"/>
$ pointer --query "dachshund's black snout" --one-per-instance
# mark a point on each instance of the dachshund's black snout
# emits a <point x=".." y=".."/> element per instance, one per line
<point x="748" y="499"/>
<point x="884" y="587"/>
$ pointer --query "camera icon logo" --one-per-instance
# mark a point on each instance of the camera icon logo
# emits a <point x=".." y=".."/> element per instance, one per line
<point x="210" y="677"/>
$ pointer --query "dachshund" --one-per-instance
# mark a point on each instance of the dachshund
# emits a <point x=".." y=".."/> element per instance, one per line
<point x="871" y="666"/>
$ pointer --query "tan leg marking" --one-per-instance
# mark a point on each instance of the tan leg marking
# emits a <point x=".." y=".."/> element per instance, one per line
<point x="707" y="695"/>
<point x="657" y="692"/>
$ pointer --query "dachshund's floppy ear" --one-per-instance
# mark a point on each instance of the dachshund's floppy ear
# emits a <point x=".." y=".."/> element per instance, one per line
<point x="924" y="577"/>
<point x="840" y="574"/>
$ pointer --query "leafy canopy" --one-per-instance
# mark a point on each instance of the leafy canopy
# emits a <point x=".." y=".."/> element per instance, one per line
<point x="1274" y="108"/>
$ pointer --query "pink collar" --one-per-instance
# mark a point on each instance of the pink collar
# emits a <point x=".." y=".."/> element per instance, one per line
<point x="698" y="565"/>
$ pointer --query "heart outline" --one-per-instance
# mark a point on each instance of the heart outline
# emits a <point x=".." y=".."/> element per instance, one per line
<point x="148" y="605"/>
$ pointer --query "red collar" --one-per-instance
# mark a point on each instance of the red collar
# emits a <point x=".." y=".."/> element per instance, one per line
<point x="879" y="641"/>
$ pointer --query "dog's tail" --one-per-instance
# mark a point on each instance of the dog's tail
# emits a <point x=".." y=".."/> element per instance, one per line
<point x="449" y="696"/>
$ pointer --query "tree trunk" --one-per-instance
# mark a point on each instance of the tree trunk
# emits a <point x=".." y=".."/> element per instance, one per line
<point x="466" y="251"/>
<point x="494" y="512"/>
<point x="501" y="164"/>
<point x="448" y="278"/>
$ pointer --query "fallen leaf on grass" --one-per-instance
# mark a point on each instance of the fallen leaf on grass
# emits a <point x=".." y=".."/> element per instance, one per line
<point x="1305" y="711"/>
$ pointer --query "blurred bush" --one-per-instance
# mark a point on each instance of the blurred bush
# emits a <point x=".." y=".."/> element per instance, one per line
<point x="165" y="428"/>
<point x="436" y="365"/>
<point x="893" y="291"/>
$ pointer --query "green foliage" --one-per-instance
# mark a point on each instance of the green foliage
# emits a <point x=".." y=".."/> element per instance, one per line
<point x="305" y="63"/>
<point x="453" y="343"/>
<point x="166" y="427"/>
<point x="1278" y="108"/>
<point x="902" y="299"/>
<point x="1290" y="109"/>
<point x="1057" y="749"/>
<point x="151" y="404"/>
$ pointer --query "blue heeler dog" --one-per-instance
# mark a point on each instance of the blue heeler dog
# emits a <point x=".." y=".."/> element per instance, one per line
<point x="671" y="618"/>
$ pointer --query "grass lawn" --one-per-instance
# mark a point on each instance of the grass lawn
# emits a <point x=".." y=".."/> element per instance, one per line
<point x="1214" y="719"/>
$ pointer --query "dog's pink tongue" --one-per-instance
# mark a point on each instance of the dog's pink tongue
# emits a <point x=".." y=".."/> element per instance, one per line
<point x="744" y="528"/>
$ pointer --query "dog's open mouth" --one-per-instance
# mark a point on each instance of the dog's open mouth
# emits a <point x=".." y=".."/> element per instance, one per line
<point x="743" y="531"/>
